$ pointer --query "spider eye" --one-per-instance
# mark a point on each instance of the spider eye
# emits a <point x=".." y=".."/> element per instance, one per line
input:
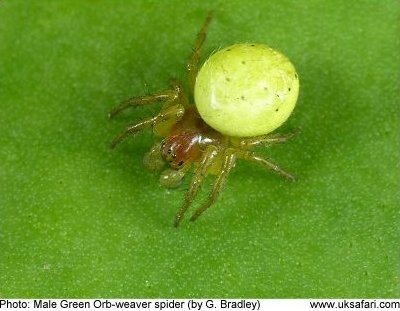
<point x="180" y="163"/>
<point x="174" y="155"/>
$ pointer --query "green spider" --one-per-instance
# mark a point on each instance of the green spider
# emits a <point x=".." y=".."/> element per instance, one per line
<point x="235" y="100"/>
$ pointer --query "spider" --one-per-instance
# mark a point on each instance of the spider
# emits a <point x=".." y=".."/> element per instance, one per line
<point x="234" y="101"/>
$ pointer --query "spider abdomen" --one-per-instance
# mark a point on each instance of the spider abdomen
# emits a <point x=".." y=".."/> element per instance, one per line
<point x="246" y="90"/>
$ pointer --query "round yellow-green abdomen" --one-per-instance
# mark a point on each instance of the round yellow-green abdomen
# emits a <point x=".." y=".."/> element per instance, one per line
<point x="246" y="90"/>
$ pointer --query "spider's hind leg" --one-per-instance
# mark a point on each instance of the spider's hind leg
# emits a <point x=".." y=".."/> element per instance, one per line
<point x="193" y="62"/>
<point x="268" y="139"/>
<point x="267" y="163"/>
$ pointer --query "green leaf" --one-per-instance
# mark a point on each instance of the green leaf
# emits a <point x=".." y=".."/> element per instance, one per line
<point x="80" y="220"/>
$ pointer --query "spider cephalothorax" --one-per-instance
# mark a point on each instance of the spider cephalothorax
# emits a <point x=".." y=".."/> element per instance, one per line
<point x="241" y="94"/>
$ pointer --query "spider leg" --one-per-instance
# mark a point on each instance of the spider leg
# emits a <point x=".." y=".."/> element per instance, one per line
<point x="170" y="112"/>
<point x="192" y="65"/>
<point x="169" y="95"/>
<point x="268" y="139"/>
<point x="266" y="163"/>
<point x="229" y="163"/>
<point x="207" y="160"/>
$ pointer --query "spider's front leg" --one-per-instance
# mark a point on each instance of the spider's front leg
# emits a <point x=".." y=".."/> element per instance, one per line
<point x="169" y="95"/>
<point x="174" y="112"/>
<point x="174" y="108"/>
<point x="208" y="158"/>
<point x="229" y="160"/>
